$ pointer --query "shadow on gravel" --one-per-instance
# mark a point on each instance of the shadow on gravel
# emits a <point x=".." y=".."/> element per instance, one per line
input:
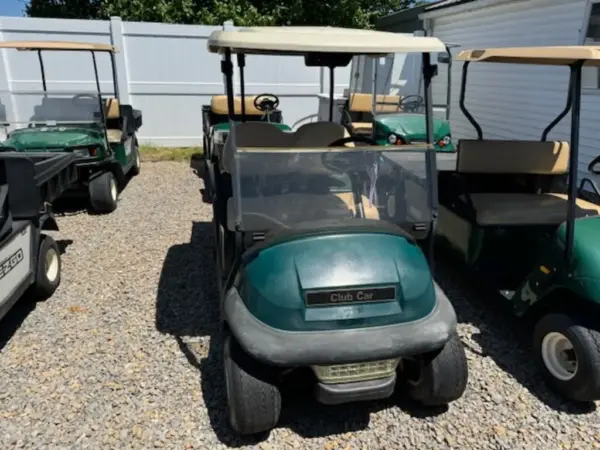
<point x="187" y="308"/>
<point x="15" y="317"/>
<point x="77" y="202"/>
<point x="502" y="336"/>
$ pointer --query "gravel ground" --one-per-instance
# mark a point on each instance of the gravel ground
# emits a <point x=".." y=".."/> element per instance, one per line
<point x="122" y="355"/>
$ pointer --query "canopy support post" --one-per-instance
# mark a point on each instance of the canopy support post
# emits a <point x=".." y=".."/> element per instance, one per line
<point x="575" y="90"/>
<point x="463" y="108"/>
<point x="430" y="71"/>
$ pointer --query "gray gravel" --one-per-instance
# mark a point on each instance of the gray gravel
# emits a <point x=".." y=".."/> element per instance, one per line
<point x="122" y="355"/>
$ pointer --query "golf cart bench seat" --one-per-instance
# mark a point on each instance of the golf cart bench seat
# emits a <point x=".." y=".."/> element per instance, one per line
<point x="218" y="105"/>
<point x="363" y="103"/>
<point x="120" y="119"/>
<point x="513" y="158"/>
<point x="339" y="202"/>
<point x="494" y="209"/>
<point x="359" y="107"/>
<point x="112" y="109"/>
<point x="267" y="135"/>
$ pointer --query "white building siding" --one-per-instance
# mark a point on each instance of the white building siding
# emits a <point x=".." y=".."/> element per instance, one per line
<point x="511" y="101"/>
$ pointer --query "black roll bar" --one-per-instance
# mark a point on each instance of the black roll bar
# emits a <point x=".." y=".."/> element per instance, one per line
<point x="575" y="94"/>
<point x="331" y="91"/>
<point x="39" y="52"/>
<point x="100" y="104"/>
<point x="463" y="108"/>
<point x="429" y="71"/>
<point x="562" y="114"/>
<point x="241" y="61"/>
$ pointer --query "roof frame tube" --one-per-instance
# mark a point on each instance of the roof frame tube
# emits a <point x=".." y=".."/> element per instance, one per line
<point x="564" y="112"/>
<point x="463" y="108"/>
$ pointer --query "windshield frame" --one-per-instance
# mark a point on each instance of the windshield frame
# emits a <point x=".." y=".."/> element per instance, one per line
<point x="428" y="71"/>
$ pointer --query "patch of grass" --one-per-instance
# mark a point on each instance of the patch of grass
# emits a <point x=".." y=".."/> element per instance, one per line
<point x="149" y="153"/>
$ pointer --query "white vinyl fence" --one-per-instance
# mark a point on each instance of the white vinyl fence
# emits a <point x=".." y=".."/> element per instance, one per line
<point x="164" y="70"/>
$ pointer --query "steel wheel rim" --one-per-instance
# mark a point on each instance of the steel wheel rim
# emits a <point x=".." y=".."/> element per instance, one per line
<point x="559" y="356"/>
<point x="51" y="265"/>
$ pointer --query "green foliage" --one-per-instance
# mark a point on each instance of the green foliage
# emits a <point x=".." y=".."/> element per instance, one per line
<point x="346" y="13"/>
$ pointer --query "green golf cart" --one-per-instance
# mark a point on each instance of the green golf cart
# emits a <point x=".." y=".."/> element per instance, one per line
<point x="99" y="130"/>
<point x="511" y="212"/>
<point x="319" y="247"/>
<point x="399" y="120"/>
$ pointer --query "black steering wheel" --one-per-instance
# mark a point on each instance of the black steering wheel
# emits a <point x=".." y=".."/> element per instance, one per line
<point x="77" y="98"/>
<point x="593" y="167"/>
<point x="266" y="102"/>
<point x="413" y="105"/>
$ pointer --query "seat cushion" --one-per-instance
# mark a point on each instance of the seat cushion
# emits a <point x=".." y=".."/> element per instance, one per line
<point x="362" y="127"/>
<point x="114" y="136"/>
<point x="526" y="209"/>
<point x="267" y="213"/>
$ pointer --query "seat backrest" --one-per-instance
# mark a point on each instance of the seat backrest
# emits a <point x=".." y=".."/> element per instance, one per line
<point x="267" y="135"/>
<point x="218" y="105"/>
<point x="113" y="109"/>
<point x="513" y="157"/>
<point x="363" y="103"/>
<point x="318" y="134"/>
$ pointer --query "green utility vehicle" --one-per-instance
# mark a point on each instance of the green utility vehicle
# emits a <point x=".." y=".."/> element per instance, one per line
<point x="99" y="130"/>
<point x="506" y="213"/>
<point x="399" y="120"/>
<point x="319" y="238"/>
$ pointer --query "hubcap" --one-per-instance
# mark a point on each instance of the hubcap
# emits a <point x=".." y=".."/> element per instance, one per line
<point x="51" y="265"/>
<point x="559" y="356"/>
<point x="137" y="159"/>
<point x="113" y="190"/>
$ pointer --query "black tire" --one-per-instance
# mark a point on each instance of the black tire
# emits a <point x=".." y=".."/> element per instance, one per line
<point x="440" y="377"/>
<point x="48" y="269"/>
<point x="104" y="193"/>
<point x="253" y="400"/>
<point x="584" y="357"/>
<point x="137" y="162"/>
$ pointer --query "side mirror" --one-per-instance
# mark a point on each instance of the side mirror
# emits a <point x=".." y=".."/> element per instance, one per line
<point x="444" y="58"/>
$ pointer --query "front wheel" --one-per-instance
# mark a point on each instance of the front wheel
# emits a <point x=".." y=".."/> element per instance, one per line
<point x="253" y="400"/>
<point x="440" y="377"/>
<point x="48" y="269"/>
<point x="104" y="192"/>
<point x="568" y="354"/>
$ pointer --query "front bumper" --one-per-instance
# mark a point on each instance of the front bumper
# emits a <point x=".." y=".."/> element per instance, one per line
<point x="335" y="394"/>
<point x="301" y="349"/>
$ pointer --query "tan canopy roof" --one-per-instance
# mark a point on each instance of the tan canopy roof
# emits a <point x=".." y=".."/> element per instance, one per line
<point x="302" y="40"/>
<point x="58" y="45"/>
<point x="554" y="56"/>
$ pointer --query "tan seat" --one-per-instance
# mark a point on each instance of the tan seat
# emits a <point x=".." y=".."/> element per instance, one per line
<point x="218" y="105"/>
<point x="318" y="134"/>
<point x="519" y="157"/>
<point x="112" y="108"/>
<point x="363" y="103"/>
<point x="267" y="135"/>
<point x="113" y="112"/>
<point x="526" y="209"/>
<point x="114" y="136"/>
<point x="370" y="210"/>
<point x="513" y="157"/>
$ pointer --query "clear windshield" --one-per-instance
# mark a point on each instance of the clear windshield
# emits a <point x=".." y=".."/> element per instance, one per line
<point x="286" y="188"/>
<point x="36" y="109"/>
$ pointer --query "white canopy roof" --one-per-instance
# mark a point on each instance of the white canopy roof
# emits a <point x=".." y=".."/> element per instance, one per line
<point x="302" y="40"/>
<point x="552" y="56"/>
